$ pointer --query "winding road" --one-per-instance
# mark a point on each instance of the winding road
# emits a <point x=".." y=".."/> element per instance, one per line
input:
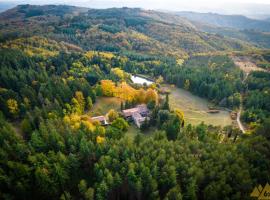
<point x="247" y="66"/>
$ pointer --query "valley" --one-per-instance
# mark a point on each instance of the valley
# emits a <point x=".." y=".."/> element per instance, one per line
<point x="133" y="104"/>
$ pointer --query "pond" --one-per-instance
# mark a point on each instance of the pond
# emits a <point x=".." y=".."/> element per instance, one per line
<point x="140" y="80"/>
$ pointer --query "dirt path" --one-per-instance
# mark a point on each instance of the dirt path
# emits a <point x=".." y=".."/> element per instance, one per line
<point x="247" y="66"/>
<point x="240" y="125"/>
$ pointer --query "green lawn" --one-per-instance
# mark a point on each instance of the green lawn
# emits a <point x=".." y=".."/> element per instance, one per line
<point x="195" y="108"/>
<point x="104" y="104"/>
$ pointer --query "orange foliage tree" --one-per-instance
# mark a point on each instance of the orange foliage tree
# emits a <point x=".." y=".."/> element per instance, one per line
<point x="108" y="88"/>
<point x="151" y="95"/>
<point x="128" y="93"/>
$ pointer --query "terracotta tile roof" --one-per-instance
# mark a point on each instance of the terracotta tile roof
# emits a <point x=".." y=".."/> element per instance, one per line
<point x="140" y="109"/>
<point x="129" y="112"/>
<point x="98" y="118"/>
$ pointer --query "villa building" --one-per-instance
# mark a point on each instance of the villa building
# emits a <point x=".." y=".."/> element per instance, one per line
<point x="137" y="114"/>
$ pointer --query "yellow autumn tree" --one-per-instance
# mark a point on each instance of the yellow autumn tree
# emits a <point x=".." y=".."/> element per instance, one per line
<point x="125" y="91"/>
<point x="112" y="115"/>
<point x="81" y="101"/>
<point x="74" y="107"/>
<point x="140" y="96"/>
<point x="128" y="93"/>
<point x="108" y="88"/>
<point x="151" y="95"/>
<point x="75" y="121"/>
<point x="100" y="139"/>
<point x="90" y="54"/>
<point x="107" y="55"/>
<point x="119" y="73"/>
<point x="180" y="115"/>
<point x="12" y="106"/>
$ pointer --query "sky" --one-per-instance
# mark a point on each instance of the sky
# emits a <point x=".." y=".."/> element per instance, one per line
<point x="164" y="3"/>
<point x="219" y="6"/>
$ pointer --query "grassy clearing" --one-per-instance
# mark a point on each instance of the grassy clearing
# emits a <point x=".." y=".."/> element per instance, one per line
<point x="104" y="104"/>
<point x="246" y="64"/>
<point x="195" y="108"/>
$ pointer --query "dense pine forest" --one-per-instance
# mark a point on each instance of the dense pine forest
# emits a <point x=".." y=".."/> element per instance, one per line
<point x="57" y="62"/>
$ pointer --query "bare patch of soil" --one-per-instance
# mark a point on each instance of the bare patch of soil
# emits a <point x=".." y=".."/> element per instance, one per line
<point x="246" y="64"/>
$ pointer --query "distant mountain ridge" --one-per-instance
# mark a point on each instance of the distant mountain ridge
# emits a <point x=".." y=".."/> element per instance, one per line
<point x="6" y="5"/>
<point x="21" y="12"/>
<point x="257" y="38"/>
<point x="230" y="21"/>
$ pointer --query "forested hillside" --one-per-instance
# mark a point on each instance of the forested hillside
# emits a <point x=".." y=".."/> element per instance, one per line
<point x="58" y="62"/>
<point x="114" y="30"/>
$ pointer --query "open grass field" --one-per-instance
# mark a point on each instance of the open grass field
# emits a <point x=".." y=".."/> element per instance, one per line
<point x="195" y="108"/>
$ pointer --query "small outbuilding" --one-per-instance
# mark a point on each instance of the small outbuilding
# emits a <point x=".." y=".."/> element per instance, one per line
<point x="101" y="119"/>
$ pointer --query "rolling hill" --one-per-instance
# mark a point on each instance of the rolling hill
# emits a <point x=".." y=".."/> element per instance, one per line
<point x="115" y="29"/>
<point x="231" y="26"/>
